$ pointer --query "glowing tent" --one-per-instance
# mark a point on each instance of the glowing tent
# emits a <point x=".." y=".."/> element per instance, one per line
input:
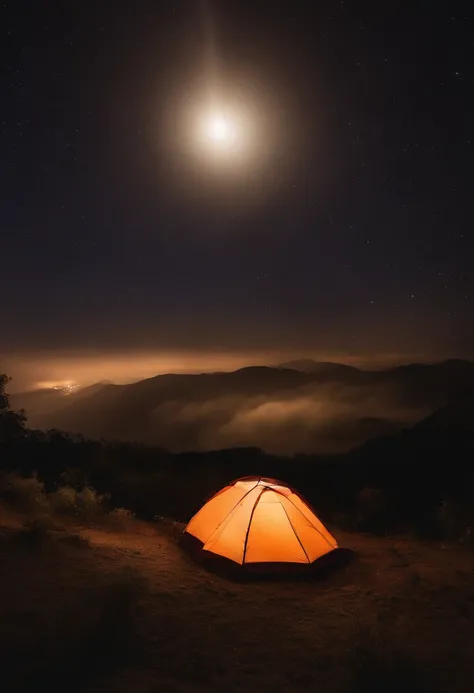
<point x="256" y="520"/>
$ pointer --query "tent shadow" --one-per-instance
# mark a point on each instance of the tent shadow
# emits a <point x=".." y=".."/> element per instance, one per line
<point x="323" y="568"/>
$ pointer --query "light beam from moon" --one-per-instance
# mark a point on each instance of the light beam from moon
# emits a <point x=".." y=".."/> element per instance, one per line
<point x="227" y="135"/>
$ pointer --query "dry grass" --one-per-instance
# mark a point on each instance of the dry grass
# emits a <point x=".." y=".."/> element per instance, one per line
<point x="120" y="519"/>
<point x="127" y="611"/>
<point x="44" y="511"/>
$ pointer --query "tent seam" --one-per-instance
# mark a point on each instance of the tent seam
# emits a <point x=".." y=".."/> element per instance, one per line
<point x="206" y="501"/>
<point x="294" y="530"/>
<point x="308" y="520"/>
<point x="230" y="511"/>
<point x="250" y="524"/>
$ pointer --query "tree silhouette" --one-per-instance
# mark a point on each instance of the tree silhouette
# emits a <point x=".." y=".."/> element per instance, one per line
<point x="12" y="423"/>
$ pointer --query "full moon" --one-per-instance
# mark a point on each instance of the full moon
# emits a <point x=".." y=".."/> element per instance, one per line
<point x="220" y="134"/>
<point x="219" y="129"/>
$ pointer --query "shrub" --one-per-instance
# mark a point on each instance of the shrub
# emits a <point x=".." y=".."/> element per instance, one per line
<point x="120" y="518"/>
<point x="90" y="505"/>
<point x="64" y="501"/>
<point x="86" y="505"/>
<point x="24" y="494"/>
<point x="171" y="527"/>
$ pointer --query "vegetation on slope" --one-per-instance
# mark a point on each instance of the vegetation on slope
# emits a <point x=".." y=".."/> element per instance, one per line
<point x="418" y="481"/>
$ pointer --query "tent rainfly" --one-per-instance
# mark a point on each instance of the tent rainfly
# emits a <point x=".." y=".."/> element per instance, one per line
<point x="255" y="520"/>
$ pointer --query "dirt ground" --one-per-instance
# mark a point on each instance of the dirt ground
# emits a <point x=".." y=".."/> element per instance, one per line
<point x="95" y="610"/>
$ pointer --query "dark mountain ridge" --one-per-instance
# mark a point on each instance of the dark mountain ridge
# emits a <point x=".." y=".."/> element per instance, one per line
<point x="333" y="407"/>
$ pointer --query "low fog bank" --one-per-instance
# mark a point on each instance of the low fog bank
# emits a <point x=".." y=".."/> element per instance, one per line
<point x="325" y="419"/>
<point x="278" y="410"/>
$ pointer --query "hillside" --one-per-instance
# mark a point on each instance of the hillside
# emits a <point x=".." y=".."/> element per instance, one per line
<point x="330" y="408"/>
<point x="455" y="418"/>
<point x="128" y="611"/>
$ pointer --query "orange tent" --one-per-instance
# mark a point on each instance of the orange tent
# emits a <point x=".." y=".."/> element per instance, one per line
<point x="257" y="520"/>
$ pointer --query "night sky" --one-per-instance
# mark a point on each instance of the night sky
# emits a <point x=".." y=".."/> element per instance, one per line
<point x="348" y="230"/>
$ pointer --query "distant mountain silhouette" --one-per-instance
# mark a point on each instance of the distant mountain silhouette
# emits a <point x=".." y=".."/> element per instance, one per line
<point x="327" y="407"/>
<point x="455" y="418"/>
<point x="326" y="368"/>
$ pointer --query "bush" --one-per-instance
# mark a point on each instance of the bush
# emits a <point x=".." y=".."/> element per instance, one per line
<point x="24" y="494"/>
<point x="64" y="501"/>
<point x="120" y="518"/>
<point x="171" y="527"/>
<point x="90" y="504"/>
<point x="86" y="505"/>
<point x="27" y="495"/>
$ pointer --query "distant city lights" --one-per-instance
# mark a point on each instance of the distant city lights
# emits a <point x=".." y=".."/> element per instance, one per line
<point x="65" y="387"/>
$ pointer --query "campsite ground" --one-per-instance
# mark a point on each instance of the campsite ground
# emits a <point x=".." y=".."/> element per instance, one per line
<point x="97" y="610"/>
